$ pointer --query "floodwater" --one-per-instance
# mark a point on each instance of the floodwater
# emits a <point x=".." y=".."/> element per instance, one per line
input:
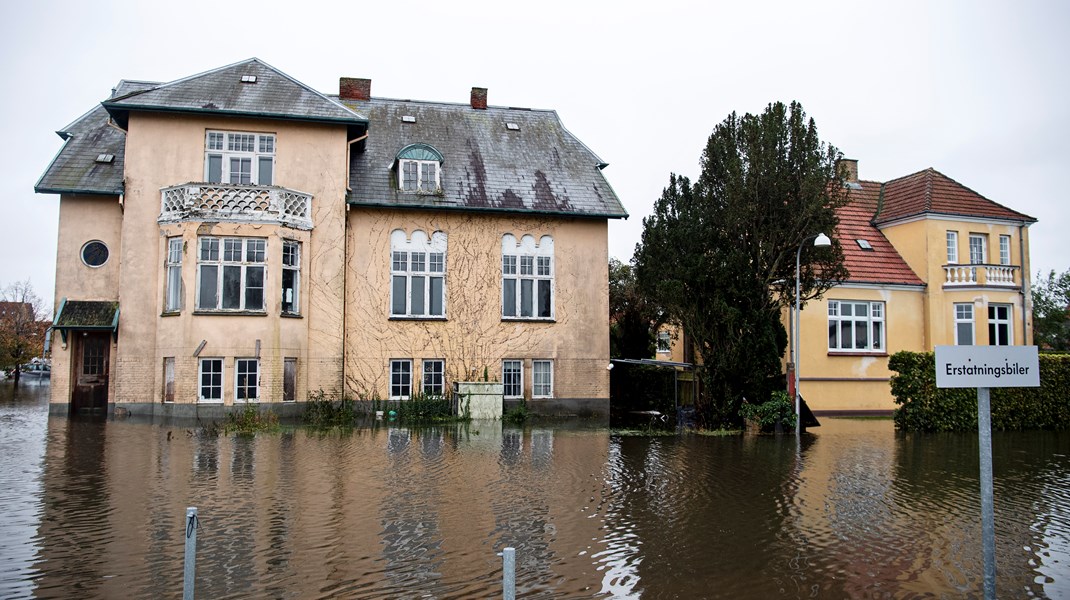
<point x="96" y="510"/>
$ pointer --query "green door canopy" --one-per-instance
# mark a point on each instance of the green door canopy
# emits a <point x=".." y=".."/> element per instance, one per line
<point x="87" y="315"/>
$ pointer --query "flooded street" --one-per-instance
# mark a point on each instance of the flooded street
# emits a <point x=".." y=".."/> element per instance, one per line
<point x="95" y="510"/>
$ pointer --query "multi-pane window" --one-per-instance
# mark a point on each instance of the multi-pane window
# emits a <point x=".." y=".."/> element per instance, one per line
<point x="400" y="379"/>
<point x="527" y="278"/>
<point x="964" y="324"/>
<point x="856" y="326"/>
<point x="291" y="277"/>
<point x="211" y="376"/>
<point x="999" y="324"/>
<point x="247" y="380"/>
<point x="174" y="275"/>
<point x="434" y="377"/>
<point x="512" y="378"/>
<point x="231" y="273"/>
<point x="542" y="378"/>
<point x="1004" y="249"/>
<point x="952" y="247"/>
<point x="664" y="341"/>
<point x="241" y="158"/>
<point x="419" y="176"/>
<point x="977" y="248"/>
<point x="418" y="274"/>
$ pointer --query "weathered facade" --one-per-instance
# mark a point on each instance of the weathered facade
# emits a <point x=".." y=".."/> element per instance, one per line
<point x="258" y="241"/>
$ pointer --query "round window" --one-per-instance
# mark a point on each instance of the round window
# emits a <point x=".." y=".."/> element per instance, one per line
<point x="94" y="253"/>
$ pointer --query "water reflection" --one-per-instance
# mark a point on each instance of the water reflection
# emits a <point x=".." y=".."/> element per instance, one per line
<point x="852" y="511"/>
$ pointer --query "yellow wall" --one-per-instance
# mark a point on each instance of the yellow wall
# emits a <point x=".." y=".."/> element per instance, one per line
<point x="474" y="336"/>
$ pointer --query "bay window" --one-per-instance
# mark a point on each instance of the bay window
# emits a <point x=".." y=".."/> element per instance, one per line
<point x="231" y="274"/>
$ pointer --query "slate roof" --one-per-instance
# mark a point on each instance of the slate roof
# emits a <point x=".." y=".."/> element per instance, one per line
<point x="273" y="95"/>
<point x="75" y="170"/>
<point x="540" y="167"/>
<point x="882" y="264"/>
<point x="932" y="192"/>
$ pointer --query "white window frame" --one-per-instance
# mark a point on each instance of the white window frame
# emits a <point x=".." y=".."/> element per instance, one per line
<point x="217" y="387"/>
<point x="872" y="324"/>
<point x="291" y="267"/>
<point x="218" y="253"/>
<point x="542" y="384"/>
<point x="229" y="146"/>
<point x="512" y="389"/>
<point x="400" y="378"/>
<point x="1004" y="249"/>
<point x="996" y="323"/>
<point x="418" y="275"/>
<point x="964" y="315"/>
<point x="173" y="268"/>
<point x="530" y="265"/>
<point x="664" y="343"/>
<point x="952" y="247"/>
<point x="434" y="377"/>
<point x="244" y="368"/>
<point x="427" y="174"/>
<point x="978" y="248"/>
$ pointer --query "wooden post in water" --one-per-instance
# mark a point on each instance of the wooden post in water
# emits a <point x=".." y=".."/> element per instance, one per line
<point x="188" y="583"/>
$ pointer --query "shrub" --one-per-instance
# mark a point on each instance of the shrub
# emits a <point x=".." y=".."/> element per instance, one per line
<point x="924" y="407"/>
<point x="777" y="410"/>
<point x="517" y="414"/>
<point x="322" y="411"/>
<point x="250" y="420"/>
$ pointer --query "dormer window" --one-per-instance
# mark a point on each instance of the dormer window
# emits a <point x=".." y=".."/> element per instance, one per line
<point x="419" y="169"/>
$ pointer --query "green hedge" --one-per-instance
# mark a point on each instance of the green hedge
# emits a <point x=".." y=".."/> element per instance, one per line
<point x="923" y="407"/>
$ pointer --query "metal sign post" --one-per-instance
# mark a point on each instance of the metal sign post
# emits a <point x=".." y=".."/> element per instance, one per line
<point x="985" y="367"/>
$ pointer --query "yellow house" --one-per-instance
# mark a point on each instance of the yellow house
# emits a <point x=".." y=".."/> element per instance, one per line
<point x="236" y="236"/>
<point x="931" y="263"/>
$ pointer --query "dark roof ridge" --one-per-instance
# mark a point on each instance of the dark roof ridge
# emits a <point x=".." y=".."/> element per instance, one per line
<point x="445" y="103"/>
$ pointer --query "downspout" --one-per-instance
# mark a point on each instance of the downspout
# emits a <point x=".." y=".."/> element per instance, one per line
<point x="349" y="153"/>
<point x="1026" y="300"/>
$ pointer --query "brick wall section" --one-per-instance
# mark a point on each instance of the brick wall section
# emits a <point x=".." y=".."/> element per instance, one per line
<point x="479" y="98"/>
<point x="353" y="88"/>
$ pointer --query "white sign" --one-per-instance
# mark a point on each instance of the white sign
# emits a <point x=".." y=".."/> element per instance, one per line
<point x="987" y="366"/>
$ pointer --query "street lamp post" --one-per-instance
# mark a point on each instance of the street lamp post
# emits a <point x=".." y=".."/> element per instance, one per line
<point x="820" y="240"/>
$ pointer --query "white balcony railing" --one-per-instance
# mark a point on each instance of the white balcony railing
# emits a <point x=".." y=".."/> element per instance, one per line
<point x="975" y="275"/>
<point x="220" y="202"/>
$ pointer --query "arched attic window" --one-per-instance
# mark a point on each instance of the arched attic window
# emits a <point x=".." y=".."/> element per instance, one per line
<point x="419" y="167"/>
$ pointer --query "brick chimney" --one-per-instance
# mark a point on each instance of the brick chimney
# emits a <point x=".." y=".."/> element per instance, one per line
<point x="479" y="98"/>
<point x="848" y="167"/>
<point x="352" y="88"/>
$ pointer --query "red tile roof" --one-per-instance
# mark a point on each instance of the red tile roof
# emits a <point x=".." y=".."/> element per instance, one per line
<point x="882" y="264"/>
<point x="930" y="191"/>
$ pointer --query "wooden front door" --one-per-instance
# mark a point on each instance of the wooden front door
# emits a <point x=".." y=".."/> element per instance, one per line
<point x="89" y="394"/>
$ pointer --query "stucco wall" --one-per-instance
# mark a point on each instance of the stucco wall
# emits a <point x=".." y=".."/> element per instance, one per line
<point x="83" y="219"/>
<point x="165" y="150"/>
<point x="474" y="336"/>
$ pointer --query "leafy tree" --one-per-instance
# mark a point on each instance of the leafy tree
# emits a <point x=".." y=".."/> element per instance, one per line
<point x="1051" y="311"/>
<point x="633" y="318"/>
<point x="719" y="254"/>
<point x="22" y="326"/>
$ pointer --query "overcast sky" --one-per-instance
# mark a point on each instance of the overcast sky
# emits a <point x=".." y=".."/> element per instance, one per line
<point x="977" y="90"/>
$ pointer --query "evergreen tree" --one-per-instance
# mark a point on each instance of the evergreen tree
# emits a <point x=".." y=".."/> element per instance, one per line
<point x="719" y="254"/>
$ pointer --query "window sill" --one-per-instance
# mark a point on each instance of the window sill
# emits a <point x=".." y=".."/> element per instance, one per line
<point x="171" y="313"/>
<point x="529" y="319"/>
<point x="230" y="313"/>
<point x="858" y="353"/>
<point x="417" y="318"/>
<point x="286" y="315"/>
<point x="216" y="402"/>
